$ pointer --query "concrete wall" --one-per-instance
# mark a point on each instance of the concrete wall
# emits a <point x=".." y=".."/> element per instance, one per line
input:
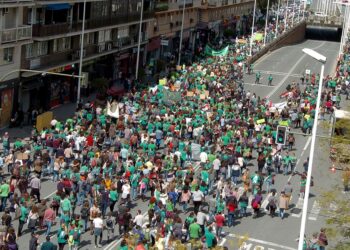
<point x="292" y="36"/>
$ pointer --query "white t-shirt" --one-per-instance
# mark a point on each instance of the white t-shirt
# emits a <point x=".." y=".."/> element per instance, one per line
<point x="139" y="220"/>
<point x="98" y="222"/>
<point x="197" y="195"/>
<point x="216" y="164"/>
<point x="204" y="157"/>
<point x="126" y="190"/>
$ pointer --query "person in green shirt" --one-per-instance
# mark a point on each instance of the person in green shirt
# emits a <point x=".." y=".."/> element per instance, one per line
<point x="270" y="78"/>
<point x="62" y="234"/>
<point x="194" y="230"/>
<point x="66" y="205"/>
<point x="210" y="238"/>
<point x="48" y="245"/>
<point x="113" y="197"/>
<point x="4" y="193"/>
<point x="22" y="218"/>
<point x="74" y="236"/>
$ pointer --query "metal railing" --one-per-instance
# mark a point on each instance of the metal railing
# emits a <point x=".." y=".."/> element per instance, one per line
<point x="42" y="30"/>
<point x="16" y="34"/>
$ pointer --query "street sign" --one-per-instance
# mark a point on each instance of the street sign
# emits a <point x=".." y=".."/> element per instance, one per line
<point x="164" y="42"/>
<point x="308" y="72"/>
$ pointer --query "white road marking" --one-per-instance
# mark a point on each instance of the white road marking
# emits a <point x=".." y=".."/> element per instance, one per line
<point x="299" y="205"/>
<point x="272" y="244"/>
<point x="258" y="85"/>
<point x="222" y="243"/>
<point x="290" y="72"/>
<point x="315" y="210"/>
<point x="265" y="202"/>
<point x="278" y="73"/>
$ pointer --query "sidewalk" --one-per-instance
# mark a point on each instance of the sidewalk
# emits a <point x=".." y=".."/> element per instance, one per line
<point x="60" y="113"/>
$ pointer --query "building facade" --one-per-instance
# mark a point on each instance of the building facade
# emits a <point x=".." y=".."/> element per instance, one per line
<point x="200" y="18"/>
<point x="45" y="35"/>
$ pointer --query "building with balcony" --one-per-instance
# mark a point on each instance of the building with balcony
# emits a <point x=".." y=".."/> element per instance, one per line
<point x="109" y="48"/>
<point x="201" y="18"/>
<point x="14" y="34"/>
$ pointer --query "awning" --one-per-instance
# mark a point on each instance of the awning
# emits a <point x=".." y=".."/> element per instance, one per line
<point x="58" y="6"/>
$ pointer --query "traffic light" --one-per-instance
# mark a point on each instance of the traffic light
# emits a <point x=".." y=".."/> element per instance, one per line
<point x="281" y="136"/>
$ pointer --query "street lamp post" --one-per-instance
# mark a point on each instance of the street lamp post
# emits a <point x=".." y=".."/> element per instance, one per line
<point x="251" y="38"/>
<point x="278" y="15"/>
<point x="81" y="52"/>
<point x="304" y="8"/>
<point x="266" y="21"/>
<point x="293" y="14"/>
<point x="322" y="59"/>
<point x="139" y="43"/>
<point x="181" y="33"/>
<point x="285" y="17"/>
<point x="345" y="28"/>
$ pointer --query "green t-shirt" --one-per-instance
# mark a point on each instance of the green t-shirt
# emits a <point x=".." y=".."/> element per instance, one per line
<point x="209" y="238"/>
<point x="4" y="190"/>
<point x="113" y="195"/>
<point x="24" y="213"/>
<point x="61" y="236"/>
<point x="194" y="231"/>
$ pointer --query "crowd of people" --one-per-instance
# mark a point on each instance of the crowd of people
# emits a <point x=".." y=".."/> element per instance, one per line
<point x="192" y="165"/>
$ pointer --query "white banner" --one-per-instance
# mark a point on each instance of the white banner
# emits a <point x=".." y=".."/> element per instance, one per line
<point x="113" y="109"/>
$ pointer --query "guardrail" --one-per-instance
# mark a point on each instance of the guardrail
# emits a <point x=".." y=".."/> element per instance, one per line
<point x="16" y="34"/>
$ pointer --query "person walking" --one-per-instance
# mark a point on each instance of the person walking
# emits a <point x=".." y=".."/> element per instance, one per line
<point x="283" y="204"/>
<point x="219" y="222"/>
<point x="257" y="77"/>
<point x="23" y="218"/>
<point x="322" y="239"/>
<point x="198" y="197"/>
<point x="35" y="185"/>
<point x="48" y="245"/>
<point x="62" y="236"/>
<point x="98" y="230"/>
<point x="49" y="219"/>
<point x="270" y="78"/>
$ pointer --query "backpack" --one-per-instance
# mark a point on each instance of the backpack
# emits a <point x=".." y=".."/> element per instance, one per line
<point x="76" y="235"/>
<point x="109" y="223"/>
<point x="84" y="212"/>
<point x="255" y="204"/>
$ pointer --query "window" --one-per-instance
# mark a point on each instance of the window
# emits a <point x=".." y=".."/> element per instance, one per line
<point x="36" y="49"/>
<point x="89" y="38"/>
<point x="8" y="55"/>
<point x="61" y="44"/>
<point x="104" y="36"/>
<point x="123" y="32"/>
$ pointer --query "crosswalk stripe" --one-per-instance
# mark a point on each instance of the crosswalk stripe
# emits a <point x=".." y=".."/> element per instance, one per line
<point x="315" y="210"/>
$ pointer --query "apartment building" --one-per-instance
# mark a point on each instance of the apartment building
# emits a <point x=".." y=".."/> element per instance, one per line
<point x="14" y="33"/>
<point x="45" y="35"/>
<point x="200" y="17"/>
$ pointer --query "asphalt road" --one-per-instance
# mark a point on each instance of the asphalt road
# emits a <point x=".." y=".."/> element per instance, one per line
<point x="286" y="65"/>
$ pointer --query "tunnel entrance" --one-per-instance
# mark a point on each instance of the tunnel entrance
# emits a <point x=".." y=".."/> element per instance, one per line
<point x="323" y="33"/>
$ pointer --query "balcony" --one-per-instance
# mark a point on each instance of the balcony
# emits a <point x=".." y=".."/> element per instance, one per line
<point x="13" y="3"/>
<point x="16" y="34"/>
<point x="90" y="51"/>
<point x="40" y="30"/>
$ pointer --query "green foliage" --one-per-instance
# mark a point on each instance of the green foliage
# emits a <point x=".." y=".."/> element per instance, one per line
<point x="336" y="209"/>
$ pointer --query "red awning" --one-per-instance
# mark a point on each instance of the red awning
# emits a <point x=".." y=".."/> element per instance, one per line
<point x="153" y="44"/>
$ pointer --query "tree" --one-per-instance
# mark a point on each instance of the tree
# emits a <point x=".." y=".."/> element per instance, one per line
<point x="336" y="209"/>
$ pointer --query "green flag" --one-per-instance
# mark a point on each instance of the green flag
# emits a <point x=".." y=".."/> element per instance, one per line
<point x="211" y="52"/>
